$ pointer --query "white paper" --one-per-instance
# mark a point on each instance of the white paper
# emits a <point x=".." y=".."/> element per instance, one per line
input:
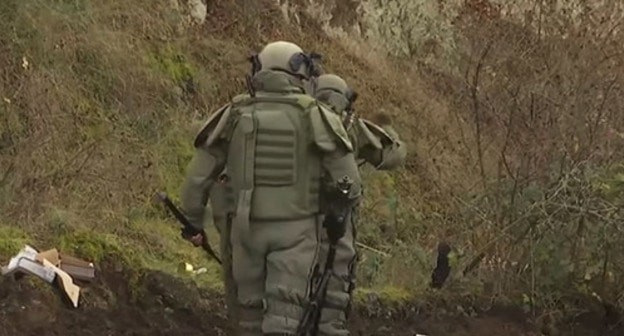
<point x="25" y="265"/>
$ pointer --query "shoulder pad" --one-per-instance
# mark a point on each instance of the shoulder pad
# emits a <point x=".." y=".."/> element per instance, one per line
<point x="240" y="98"/>
<point x="327" y="126"/>
<point x="213" y="127"/>
<point x="305" y="100"/>
<point x="299" y="100"/>
<point x="365" y="133"/>
<point x="381" y="138"/>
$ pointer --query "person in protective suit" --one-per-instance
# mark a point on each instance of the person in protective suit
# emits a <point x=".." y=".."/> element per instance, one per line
<point x="276" y="151"/>
<point x="220" y="197"/>
<point x="377" y="145"/>
<point x="374" y="142"/>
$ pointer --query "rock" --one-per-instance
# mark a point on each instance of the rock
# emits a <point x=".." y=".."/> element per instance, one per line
<point x="198" y="11"/>
<point x="192" y="12"/>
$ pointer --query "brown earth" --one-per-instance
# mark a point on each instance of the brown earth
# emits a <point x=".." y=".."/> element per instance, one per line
<point x="168" y="306"/>
<point x="165" y="305"/>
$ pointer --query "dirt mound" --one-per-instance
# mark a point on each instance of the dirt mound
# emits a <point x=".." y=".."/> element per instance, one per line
<point x="155" y="303"/>
<point x="495" y="323"/>
<point x="159" y="304"/>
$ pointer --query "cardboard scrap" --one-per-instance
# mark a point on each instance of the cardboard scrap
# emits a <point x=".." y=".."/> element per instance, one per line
<point x="52" y="266"/>
<point x="65" y="281"/>
<point x="50" y="255"/>
<point x="76" y="268"/>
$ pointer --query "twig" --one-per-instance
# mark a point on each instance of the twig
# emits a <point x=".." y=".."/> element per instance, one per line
<point x="596" y="124"/>
<point x="57" y="173"/>
<point x="533" y="280"/>
<point x="476" y="109"/>
<point x="479" y="257"/>
<point x="223" y="28"/>
<point x="582" y="210"/>
<point x="366" y="247"/>
<point x="6" y="174"/>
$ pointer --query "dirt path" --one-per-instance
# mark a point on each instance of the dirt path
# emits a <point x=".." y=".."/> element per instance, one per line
<point x="167" y="306"/>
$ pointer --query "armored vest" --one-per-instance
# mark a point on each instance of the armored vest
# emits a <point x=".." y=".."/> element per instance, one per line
<point x="271" y="152"/>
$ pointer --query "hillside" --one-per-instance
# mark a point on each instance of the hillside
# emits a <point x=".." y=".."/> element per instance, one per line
<point x="513" y="118"/>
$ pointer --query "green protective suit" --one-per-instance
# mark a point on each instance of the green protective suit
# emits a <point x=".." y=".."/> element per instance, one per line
<point x="279" y="148"/>
<point x="380" y="147"/>
<point x="220" y="197"/>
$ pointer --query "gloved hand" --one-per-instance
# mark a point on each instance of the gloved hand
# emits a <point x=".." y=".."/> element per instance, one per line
<point x="336" y="226"/>
<point x="338" y="210"/>
<point x="193" y="235"/>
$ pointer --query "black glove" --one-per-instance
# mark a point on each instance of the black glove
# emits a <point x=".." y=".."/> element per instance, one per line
<point x="336" y="226"/>
<point x="188" y="232"/>
<point x="338" y="210"/>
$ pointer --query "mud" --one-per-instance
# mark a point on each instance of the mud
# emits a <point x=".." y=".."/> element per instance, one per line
<point x="158" y="304"/>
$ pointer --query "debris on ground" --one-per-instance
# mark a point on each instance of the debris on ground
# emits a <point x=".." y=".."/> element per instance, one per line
<point x="54" y="268"/>
<point x="76" y="268"/>
<point x="188" y="268"/>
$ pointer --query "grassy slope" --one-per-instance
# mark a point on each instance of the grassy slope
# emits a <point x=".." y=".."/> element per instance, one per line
<point x="100" y="103"/>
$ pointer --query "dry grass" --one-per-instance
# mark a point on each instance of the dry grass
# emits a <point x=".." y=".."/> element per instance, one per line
<point x="100" y="101"/>
<point x="540" y="117"/>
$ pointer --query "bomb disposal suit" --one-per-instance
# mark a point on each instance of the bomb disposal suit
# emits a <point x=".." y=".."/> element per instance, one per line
<point x="274" y="150"/>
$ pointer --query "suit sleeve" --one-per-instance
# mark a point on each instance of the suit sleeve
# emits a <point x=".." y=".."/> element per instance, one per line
<point x="338" y="159"/>
<point x="201" y="175"/>
<point x="340" y="163"/>
<point x="390" y="156"/>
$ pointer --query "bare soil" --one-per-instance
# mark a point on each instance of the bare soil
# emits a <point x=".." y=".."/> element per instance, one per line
<point x="159" y="304"/>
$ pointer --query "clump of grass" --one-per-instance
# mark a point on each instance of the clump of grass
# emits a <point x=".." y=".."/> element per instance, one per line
<point x="96" y="246"/>
<point x="386" y="295"/>
<point x="172" y="64"/>
<point x="12" y="240"/>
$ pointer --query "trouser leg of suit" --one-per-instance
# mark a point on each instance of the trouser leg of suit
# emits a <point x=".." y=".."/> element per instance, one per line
<point x="341" y="284"/>
<point x="225" y="249"/>
<point x="273" y="268"/>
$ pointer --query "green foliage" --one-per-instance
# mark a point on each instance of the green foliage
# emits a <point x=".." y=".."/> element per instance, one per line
<point x="12" y="240"/>
<point x="146" y="243"/>
<point x="117" y="132"/>
<point x="175" y="150"/>
<point x="559" y="239"/>
<point x="172" y="63"/>
<point x="395" y="295"/>
<point x="95" y="246"/>
<point x="387" y="295"/>
<point x="610" y="183"/>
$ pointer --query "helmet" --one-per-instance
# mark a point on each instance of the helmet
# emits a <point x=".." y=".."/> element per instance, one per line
<point x="288" y="57"/>
<point x="334" y="83"/>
